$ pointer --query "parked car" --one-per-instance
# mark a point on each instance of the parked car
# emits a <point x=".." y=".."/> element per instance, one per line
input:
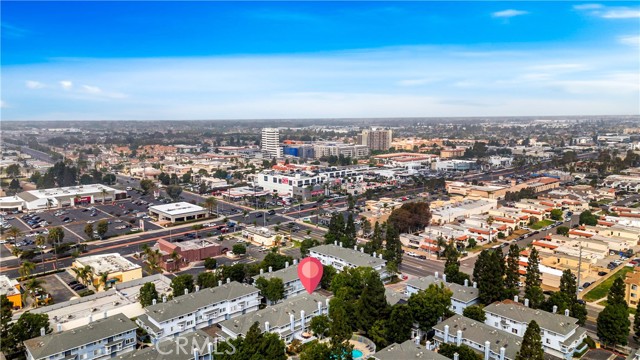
<point x="602" y="273"/>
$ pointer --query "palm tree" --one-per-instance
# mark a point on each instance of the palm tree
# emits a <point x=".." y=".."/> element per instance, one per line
<point x="31" y="286"/>
<point x="153" y="260"/>
<point x="175" y="257"/>
<point x="16" y="251"/>
<point x="210" y="202"/>
<point x="14" y="232"/>
<point x="104" y="194"/>
<point x="441" y="242"/>
<point x="103" y="278"/>
<point x="49" y="203"/>
<point x="26" y="268"/>
<point x="490" y="221"/>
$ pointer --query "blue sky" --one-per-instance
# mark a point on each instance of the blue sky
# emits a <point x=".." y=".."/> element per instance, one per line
<point x="229" y="60"/>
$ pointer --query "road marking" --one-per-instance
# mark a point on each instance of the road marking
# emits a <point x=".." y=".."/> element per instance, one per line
<point x="73" y="232"/>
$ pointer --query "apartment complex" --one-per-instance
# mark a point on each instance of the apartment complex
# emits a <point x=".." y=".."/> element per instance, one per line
<point x="632" y="288"/>
<point x="463" y="295"/>
<point x="337" y="149"/>
<point x="289" y="276"/>
<point x="199" y="309"/>
<point x="101" y="339"/>
<point x="407" y="350"/>
<point x="341" y="258"/>
<point x="270" y="143"/>
<point x="376" y="139"/>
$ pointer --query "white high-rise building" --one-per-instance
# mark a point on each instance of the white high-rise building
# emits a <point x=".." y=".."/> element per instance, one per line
<point x="270" y="143"/>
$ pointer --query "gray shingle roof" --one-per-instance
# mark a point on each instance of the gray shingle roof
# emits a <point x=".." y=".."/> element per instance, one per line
<point x="478" y="333"/>
<point x="394" y="297"/>
<point x="170" y="350"/>
<point x="277" y="315"/>
<point x="460" y="292"/>
<point x="407" y="350"/>
<point x="186" y="304"/>
<point x="54" y="343"/>
<point x="351" y="256"/>
<point x="557" y="323"/>
<point x="286" y="274"/>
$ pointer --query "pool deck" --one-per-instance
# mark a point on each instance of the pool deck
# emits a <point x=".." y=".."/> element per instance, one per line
<point x="361" y="347"/>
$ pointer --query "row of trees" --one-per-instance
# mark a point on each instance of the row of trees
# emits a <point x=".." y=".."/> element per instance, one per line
<point x="14" y="334"/>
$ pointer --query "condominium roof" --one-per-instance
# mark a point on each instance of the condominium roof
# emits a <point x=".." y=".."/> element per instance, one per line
<point x="110" y="263"/>
<point x="287" y="274"/>
<point x="172" y="350"/>
<point x="54" y="343"/>
<point x="179" y="208"/>
<point x="394" y="297"/>
<point x="478" y="332"/>
<point x="277" y="315"/>
<point x="407" y="350"/>
<point x="189" y="303"/>
<point x="460" y="292"/>
<point x="350" y="256"/>
<point x="557" y="323"/>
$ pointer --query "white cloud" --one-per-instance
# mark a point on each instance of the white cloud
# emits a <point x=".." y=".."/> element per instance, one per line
<point x="621" y="14"/>
<point x="32" y="84"/>
<point x="588" y="6"/>
<point x="91" y="89"/>
<point x="632" y="40"/>
<point x="66" y="84"/>
<point x="508" y="13"/>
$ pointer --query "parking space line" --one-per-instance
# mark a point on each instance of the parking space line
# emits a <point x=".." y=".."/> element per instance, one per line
<point x="73" y="232"/>
<point x="102" y="211"/>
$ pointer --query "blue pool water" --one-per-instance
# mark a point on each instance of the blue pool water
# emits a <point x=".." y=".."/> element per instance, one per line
<point x="356" y="354"/>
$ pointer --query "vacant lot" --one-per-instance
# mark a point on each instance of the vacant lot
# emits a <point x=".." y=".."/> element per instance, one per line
<point x="540" y="224"/>
<point x="602" y="290"/>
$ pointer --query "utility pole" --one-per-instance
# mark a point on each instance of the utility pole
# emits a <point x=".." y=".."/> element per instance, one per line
<point x="579" y="269"/>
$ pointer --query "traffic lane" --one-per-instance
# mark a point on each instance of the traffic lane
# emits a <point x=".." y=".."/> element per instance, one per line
<point x="420" y="267"/>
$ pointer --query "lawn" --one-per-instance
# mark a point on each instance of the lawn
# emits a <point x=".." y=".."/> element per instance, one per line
<point x="602" y="290"/>
<point x="632" y="311"/>
<point x="540" y="224"/>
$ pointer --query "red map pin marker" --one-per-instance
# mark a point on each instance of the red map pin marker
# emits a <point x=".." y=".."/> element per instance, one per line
<point x="310" y="273"/>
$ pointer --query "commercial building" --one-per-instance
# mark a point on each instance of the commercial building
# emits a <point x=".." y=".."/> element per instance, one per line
<point x="449" y="153"/>
<point x="11" y="289"/>
<point x="493" y="343"/>
<point x="337" y="149"/>
<point x="463" y="296"/>
<point x="199" y="309"/>
<point x="101" y="339"/>
<point x="376" y="139"/>
<point x="289" y="319"/>
<point x="455" y="165"/>
<point x="188" y="251"/>
<point x="270" y="143"/>
<point x="119" y="269"/>
<point x="289" y="276"/>
<point x="176" y="212"/>
<point x="407" y="350"/>
<point x="341" y="258"/>
<point x="59" y="197"/>
<point x="561" y="334"/>
<point x="632" y="289"/>
<point x="302" y="151"/>
<point x="294" y="183"/>
<point x="260" y="235"/>
<point x="452" y="211"/>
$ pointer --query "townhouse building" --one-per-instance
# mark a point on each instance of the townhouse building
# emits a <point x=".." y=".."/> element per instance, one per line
<point x="194" y="345"/>
<point x="289" y="276"/>
<point x="463" y="295"/>
<point x="561" y="334"/>
<point x="341" y="258"/>
<point x="100" y="339"/>
<point x="198" y="309"/>
<point x="289" y="319"/>
<point x="407" y="350"/>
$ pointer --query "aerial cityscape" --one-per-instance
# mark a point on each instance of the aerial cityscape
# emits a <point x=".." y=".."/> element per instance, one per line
<point x="320" y="181"/>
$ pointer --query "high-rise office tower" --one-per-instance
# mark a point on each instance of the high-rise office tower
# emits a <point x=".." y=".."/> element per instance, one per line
<point x="270" y="143"/>
<point x="376" y="139"/>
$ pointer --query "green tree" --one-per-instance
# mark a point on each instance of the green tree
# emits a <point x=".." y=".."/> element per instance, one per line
<point x="174" y="191"/>
<point x="5" y="318"/>
<point x="533" y="281"/>
<point x="146" y="185"/>
<point x="376" y="239"/>
<point x="562" y="230"/>
<point x="328" y="272"/>
<point x="207" y="280"/>
<point x="239" y="249"/>
<point x="27" y="327"/>
<point x="180" y="283"/>
<point x="88" y="230"/>
<point x="307" y="244"/>
<point x="488" y="272"/>
<point x="512" y="272"/>
<point x="636" y="325"/>
<point x="272" y="289"/>
<point x="210" y="263"/>
<point x="613" y="321"/>
<point x="531" y="348"/>
<point x="411" y="216"/>
<point x="379" y="333"/>
<point x="556" y="214"/>
<point x="102" y="227"/>
<point x="235" y="272"/>
<point x="316" y="351"/>
<point x="148" y="293"/>
<point x="55" y="237"/>
<point x="12" y="171"/>
<point x="474" y="312"/>
<point x="464" y="352"/>
<point x="320" y="325"/>
<point x="399" y="324"/>
<point x="372" y="304"/>
<point x="428" y="305"/>
<point x="452" y="265"/>
<point x="336" y="230"/>
<point x="587" y="218"/>
<point x="341" y="329"/>
<point x="393" y="249"/>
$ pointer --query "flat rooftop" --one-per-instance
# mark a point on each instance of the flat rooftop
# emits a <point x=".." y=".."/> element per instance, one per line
<point x="8" y="286"/>
<point x="350" y="256"/>
<point x="179" y="208"/>
<point x="71" y="191"/>
<point x="110" y="263"/>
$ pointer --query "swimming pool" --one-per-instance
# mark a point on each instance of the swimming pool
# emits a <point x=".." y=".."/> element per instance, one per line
<point x="356" y="354"/>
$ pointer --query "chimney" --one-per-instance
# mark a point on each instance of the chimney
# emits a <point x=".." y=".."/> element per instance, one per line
<point x="502" y="351"/>
<point x="286" y="264"/>
<point x="373" y="254"/>
<point x="362" y="249"/>
<point x="341" y="244"/>
<point x="459" y="338"/>
<point x="42" y="331"/>
<point x="164" y="298"/>
<point x="210" y="347"/>
<point x="487" y="350"/>
<point x="566" y="312"/>
<point x="355" y="247"/>
<point x="292" y="322"/>
<point x="228" y="280"/>
<point x="335" y="243"/>
<point x="197" y="288"/>
<point x="270" y="268"/>
<point x="436" y="275"/>
<point x="220" y="281"/>
<point x="104" y="314"/>
<point x="456" y="356"/>
<point x="266" y="326"/>
<point x="555" y="309"/>
<point x="186" y="291"/>
<point x="515" y="298"/>
<point x="466" y="282"/>
<point x="302" y="315"/>
<point x="428" y="345"/>
<point x="261" y="271"/>
<point x="196" y="354"/>
<point x="475" y="284"/>
<point x="444" y="277"/>
<point x="90" y="318"/>
<point x="327" y="302"/>
<point x="319" y="307"/>
<point x="295" y="261"/>
<point x="380" y="255"/>
<point x="446" y="334"/>
<point x="154" y="301"/>
<point x="526" y="302"/>
<point x="59" y="327"/>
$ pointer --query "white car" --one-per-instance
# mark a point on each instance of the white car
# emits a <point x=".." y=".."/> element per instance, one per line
<point x="412" y="254"/>
<point x="129" y="188"/>
<point x="3" y="242"/>
<point x="42" y="247"/>
<point x="135" y="229"/>
<point x="91" y="221"/>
